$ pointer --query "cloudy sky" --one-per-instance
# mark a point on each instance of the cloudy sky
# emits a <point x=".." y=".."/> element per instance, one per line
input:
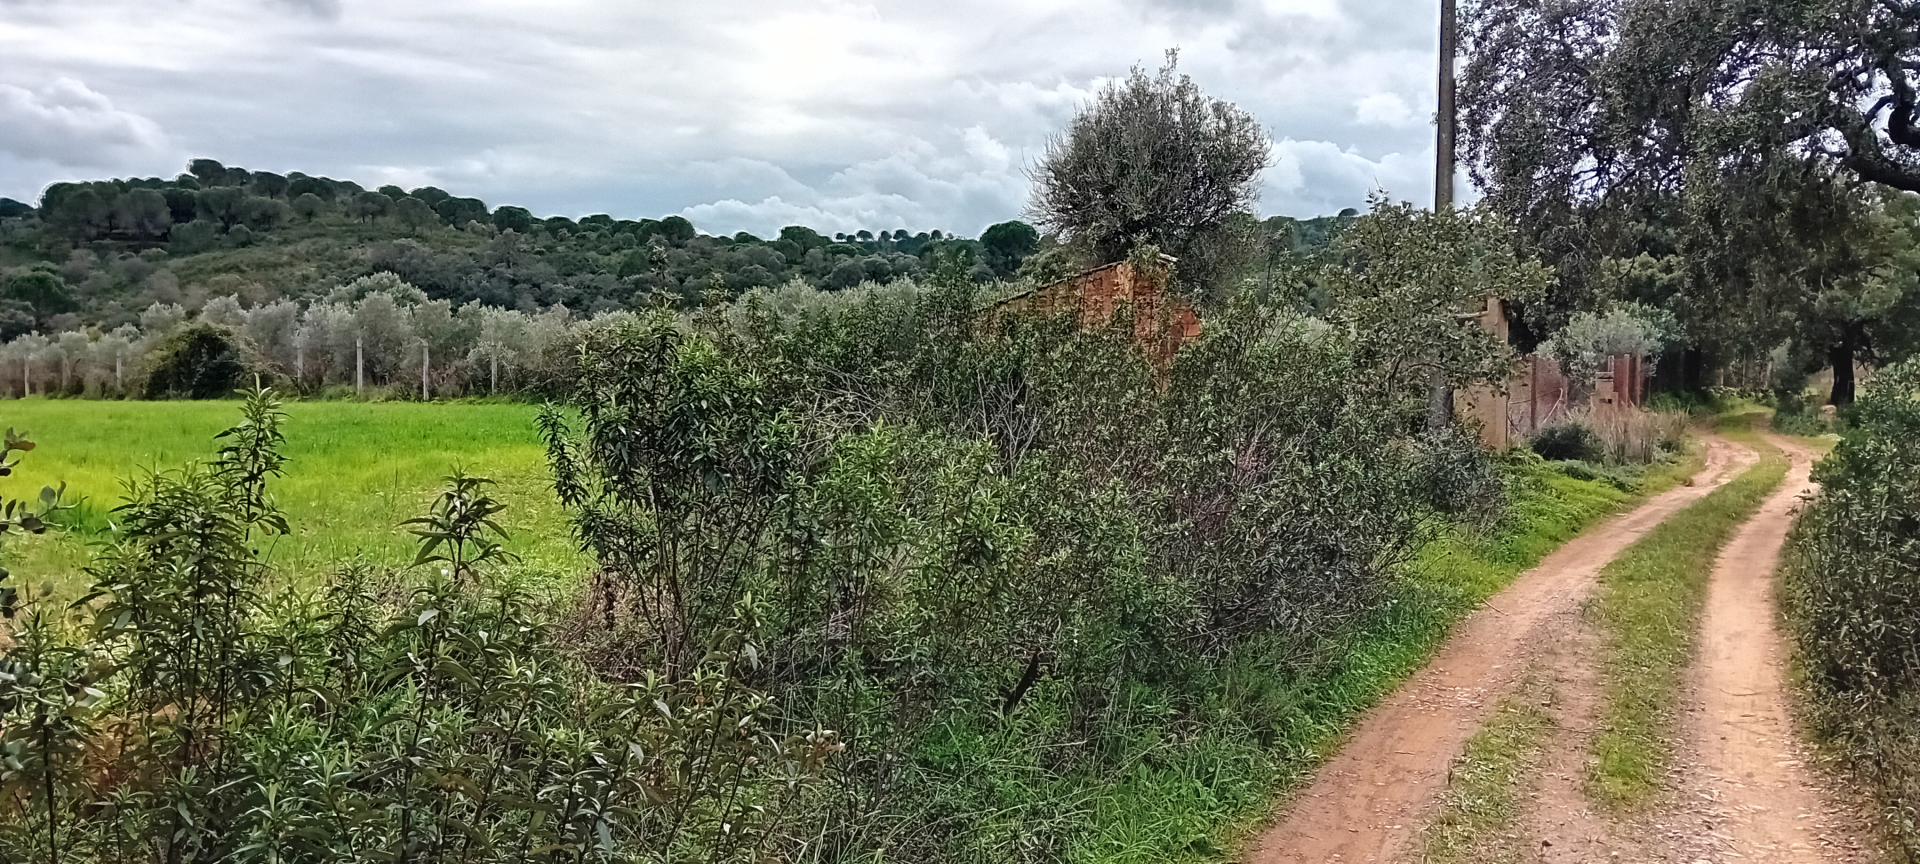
<point x="739" y="114"/>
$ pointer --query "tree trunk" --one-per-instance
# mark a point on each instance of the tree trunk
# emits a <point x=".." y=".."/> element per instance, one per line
<point x="359" y="367"/>
<point x="1439" y="401"/>
<point x="117" y="386"/>
<point x="426" y="364"/>
<point x="1840" y="356"/>
<point x="300" y="363"/>
<point x="493" y="372"/>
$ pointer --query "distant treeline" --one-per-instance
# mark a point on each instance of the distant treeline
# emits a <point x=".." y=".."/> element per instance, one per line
<point x="108" y="257"/>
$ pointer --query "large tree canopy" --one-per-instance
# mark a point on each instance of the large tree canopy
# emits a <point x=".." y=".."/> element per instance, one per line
<point x="1153" y="160"/>
<point x="1703" y="155"/>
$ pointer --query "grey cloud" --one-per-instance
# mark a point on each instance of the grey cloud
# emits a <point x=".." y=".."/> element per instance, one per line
<point x="68" y="124"/>
<point x="743" y="115"/>
<point x="327" y="9"/>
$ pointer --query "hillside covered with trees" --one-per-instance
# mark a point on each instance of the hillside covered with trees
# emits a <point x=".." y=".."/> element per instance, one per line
<point x="100" y="274"/>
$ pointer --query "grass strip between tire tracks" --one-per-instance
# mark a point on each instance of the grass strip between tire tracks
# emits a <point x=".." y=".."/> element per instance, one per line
<point x="1649" y="608"/>
<point x="1486" y="783"/>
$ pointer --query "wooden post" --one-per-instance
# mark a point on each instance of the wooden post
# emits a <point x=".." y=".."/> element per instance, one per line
<point x="1533" y="394"/>
<point x="1444" y="161"/>
<point x="493" y="370"/>
<point x="425" y="364"/>
<point x="1439" y="396"/>
<point x="359" y="366"/>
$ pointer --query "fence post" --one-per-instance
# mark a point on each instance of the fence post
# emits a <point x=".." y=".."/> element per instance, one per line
<point x="1533" y="393"/>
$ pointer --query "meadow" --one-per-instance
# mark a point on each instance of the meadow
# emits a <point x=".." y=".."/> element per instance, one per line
<point x="355" y="470"/>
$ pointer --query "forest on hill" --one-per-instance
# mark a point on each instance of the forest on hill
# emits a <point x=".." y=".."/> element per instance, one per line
<point x="101" y="273"/>
<point x="119" y="245"/>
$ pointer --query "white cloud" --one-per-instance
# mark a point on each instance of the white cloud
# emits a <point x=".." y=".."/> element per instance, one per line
<point x="738" y="114"/>
<point x="1386" y="109"/>
<point x="1320" y="177"/>
<point x="68" y="124"/>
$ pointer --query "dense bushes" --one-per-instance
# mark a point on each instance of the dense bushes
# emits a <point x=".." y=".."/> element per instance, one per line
<point x="1615" y="437"/>
<point x="210" y="712"/>
<point x="1029" y="574"/>
<point x="1567" y="441"/>
<point x="1853" y="590"/>
<point x="995" y="554"/>
<point x="199" y="362"/>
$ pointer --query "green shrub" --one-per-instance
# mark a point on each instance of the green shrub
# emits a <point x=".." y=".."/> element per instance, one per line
<point x="1007" y="558"/>
<point x="254" y="721"/>
<point x="1567" y="441"/>
<point x="1808" y="423"/>
<point x="1852" y="580"/>
<point x="197" y="362"/>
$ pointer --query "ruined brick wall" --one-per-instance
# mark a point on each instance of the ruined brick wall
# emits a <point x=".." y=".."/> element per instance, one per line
<point x="1161" y="324"/>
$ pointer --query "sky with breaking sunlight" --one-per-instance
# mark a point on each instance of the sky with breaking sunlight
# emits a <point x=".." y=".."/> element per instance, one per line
<point x="738" y="114"/>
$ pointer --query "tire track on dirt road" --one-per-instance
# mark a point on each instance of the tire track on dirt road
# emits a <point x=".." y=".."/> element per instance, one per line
<point x="1372" y="797"/>
<point x="1746" y="790"/>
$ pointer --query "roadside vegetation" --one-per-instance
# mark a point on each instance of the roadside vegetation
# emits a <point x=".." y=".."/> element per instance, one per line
<point x="821" y="553"/>
<point x="1649" y="608"/>
<point x="1170" y="793"/>
<point x="960" y="593"/>
<point x="1851" y="579"/>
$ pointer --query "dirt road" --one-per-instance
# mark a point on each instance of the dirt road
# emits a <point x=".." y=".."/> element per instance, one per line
<point x="1742" y="771"/>
<point x="1741" y="788"/>
<point x="1371" y="799"/>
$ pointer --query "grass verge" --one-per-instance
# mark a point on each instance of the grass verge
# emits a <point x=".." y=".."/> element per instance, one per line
<point x="1649" y="607"/>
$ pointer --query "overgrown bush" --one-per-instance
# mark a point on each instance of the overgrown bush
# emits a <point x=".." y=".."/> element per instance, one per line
<point x="1794" y="414"/>
<point x="208" y="712"/>
<point x="996" y="553"/>
<point x="1853" y="594"/>
<point x="1803" y="423"/>
<point x="198" y="362"/>
<point x="1621" y="437"/>
<point x="1023" y="569"/>
<point x="1571" y="440"/>
<point x="1632" y="437"/>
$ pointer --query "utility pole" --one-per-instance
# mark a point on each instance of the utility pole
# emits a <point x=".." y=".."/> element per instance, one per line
<point x="1443" y="150"/>
<point x="1439" y="395"/>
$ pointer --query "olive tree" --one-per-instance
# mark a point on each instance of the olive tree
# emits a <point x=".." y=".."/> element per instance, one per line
<point x="1153" y="160"/>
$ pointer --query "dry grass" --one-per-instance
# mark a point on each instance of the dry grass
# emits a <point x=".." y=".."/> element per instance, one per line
<point x="1633" y="437"/>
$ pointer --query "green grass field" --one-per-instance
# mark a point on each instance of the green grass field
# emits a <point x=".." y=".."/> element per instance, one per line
<point x="354" y="471"/>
